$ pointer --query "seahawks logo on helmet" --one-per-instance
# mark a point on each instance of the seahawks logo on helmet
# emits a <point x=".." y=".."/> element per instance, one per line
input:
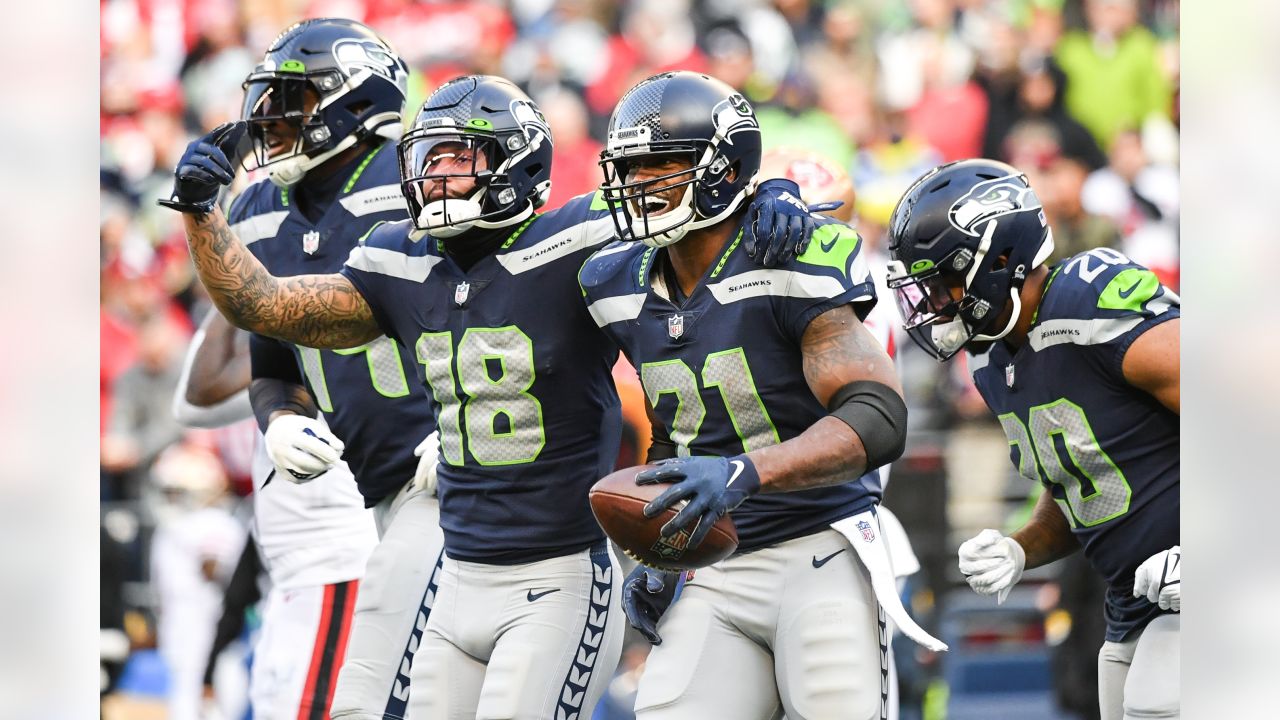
<point x="353" y="54"/>
<point x="527" y="114"/>
<point x="989" y="200"/>
<point x="732" y="114"/>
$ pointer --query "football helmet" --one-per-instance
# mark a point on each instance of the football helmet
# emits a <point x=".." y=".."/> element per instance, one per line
<point x="481" y="139"/>
<point x="696" y="118"/>
<point x="972" y="228"/>
<point x="324" y="85"/>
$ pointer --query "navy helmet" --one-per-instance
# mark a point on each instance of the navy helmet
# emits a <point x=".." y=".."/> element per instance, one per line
<point x="324" y="85"/>
<point x="506" y="143"/>
<point x="698" y="119"/>
<point x="972" y="228"/>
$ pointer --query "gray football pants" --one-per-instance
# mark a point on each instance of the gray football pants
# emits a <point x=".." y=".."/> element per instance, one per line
<point x="392" y="607"/>
<point x="791" y="628"/>
<point x="1140" y="677"/>
<point x="513" y="642"/>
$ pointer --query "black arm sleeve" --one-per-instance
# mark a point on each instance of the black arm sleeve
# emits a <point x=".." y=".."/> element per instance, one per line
<point x="661" y="446"/>
<point x="241" y="592"/>
<point x="277" y="384"/>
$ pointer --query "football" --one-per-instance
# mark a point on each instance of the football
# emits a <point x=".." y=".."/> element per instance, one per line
<point x="618" y="504"/>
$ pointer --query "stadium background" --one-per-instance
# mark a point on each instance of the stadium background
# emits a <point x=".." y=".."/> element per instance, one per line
<point x="1083" y="98"/>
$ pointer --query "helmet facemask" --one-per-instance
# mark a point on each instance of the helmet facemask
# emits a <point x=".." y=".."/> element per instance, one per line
<point x="456" y="180"/>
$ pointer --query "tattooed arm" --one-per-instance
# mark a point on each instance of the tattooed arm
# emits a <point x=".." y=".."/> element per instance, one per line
<point x="838" y="350"/>
<point x="319" y="311"/>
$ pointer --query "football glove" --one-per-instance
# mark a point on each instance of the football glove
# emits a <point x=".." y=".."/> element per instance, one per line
<point x="1160" y="579"/>
<point x="712" y="485"/>
<point x="208" y="163"/>
<point x="428" y="454"/>
<point x="302" y="448"/>
<point x="992" y="563"/>
<point x="646" y="595"/>
<point x="779" y="224"/>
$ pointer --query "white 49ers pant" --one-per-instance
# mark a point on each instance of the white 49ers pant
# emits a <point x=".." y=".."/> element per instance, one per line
<point x="793" y="628"/>
<point x="296" y="660"/>
<point x="396" y="595"/>
<point x="539" y="640"/>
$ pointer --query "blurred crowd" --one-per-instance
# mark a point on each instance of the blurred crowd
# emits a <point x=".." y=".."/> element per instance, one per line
<point x="1082" y="95"/>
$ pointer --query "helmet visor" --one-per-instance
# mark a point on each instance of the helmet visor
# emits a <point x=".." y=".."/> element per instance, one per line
<point x="444" y="165"/>
<point x="282" y="113"/>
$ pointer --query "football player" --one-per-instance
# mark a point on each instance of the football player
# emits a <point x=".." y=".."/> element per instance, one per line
<point x="1080" y="363"/>
<point x="777" y="404"/>
<point x="314" y="560"/>
<point x="525" y="622"/>
<point x="323" y="110"/>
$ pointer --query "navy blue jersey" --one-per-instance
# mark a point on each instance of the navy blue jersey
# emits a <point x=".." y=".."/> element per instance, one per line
<point x="723" y="370"/>
<point x="520" y="376"/>
<point x="1107" y="451"/>
<point x="366" y="393"/>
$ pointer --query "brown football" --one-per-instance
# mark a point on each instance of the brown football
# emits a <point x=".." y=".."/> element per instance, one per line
<point x="618" y="504"/>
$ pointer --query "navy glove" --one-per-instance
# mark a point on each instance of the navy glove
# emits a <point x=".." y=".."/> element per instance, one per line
<point x="208" y="164"/>
<point x="646" y="595"/>
<point x="779" y="224"/>
<point x="712" y="485"/>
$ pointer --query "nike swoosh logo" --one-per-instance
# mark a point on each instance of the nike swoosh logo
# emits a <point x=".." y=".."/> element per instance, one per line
<point x="531" y="597"/>
<point x="819" y="563"/>
<point x="826" y="246"/>
<point x="1126" y="293"/>
<point x="737" y="470"/>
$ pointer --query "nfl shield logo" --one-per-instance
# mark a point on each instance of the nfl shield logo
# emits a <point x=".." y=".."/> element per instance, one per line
<point x="1008" y="375"/>
<point x="867" y="533"/>
<point x="675" y="326"/>
<point x="460" y="293"/>
<point x="311" y="242"/>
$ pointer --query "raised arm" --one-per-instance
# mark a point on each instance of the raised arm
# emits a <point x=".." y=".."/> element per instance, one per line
<point x="320" y="311"/>
<point x="850" y="373"/>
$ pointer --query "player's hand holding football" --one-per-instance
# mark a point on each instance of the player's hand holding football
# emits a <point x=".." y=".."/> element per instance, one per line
<point x="428" y="454"/>
<point x="1160" y="579"/>
<point x="646" y="595"/>
<point x="712" y="485"/>
<point x="992" y="563"/>
<point x="779" y="225"/>
<point x="302" y="448"/>
<point x="208" y="164"/>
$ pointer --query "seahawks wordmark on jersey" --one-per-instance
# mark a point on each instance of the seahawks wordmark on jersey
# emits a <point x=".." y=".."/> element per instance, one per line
<point x="1107" y="451"/>
<point x="724" y="370"/>
<point x="367" y="393"/>
<point x="519" y="375"/>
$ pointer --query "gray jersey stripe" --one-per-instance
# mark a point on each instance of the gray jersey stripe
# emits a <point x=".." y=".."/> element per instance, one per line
<point x="567" y="241"/>
<point x="784" y="283"/>
<point x="383" y="198"/>
<point x="616" y="309"/>
<point x="259" y="227"/>
<point x="390" y="262"/>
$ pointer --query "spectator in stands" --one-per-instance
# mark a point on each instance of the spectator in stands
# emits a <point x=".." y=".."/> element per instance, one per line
<point x="1114" y="69"/>
<point x="141" y="424"/>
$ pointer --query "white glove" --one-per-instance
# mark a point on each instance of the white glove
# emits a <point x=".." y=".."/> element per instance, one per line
<point x="1160" y="579"/>
<point x="428" y="454"/>
<point x="992" y="563"/>
<point x="301" y="448"/>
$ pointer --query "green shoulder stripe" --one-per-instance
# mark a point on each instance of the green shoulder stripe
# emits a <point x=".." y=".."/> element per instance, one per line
<point x="598" y="201"/>
<point x="1129" y="290"/>
<point x="832" y="246"/>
